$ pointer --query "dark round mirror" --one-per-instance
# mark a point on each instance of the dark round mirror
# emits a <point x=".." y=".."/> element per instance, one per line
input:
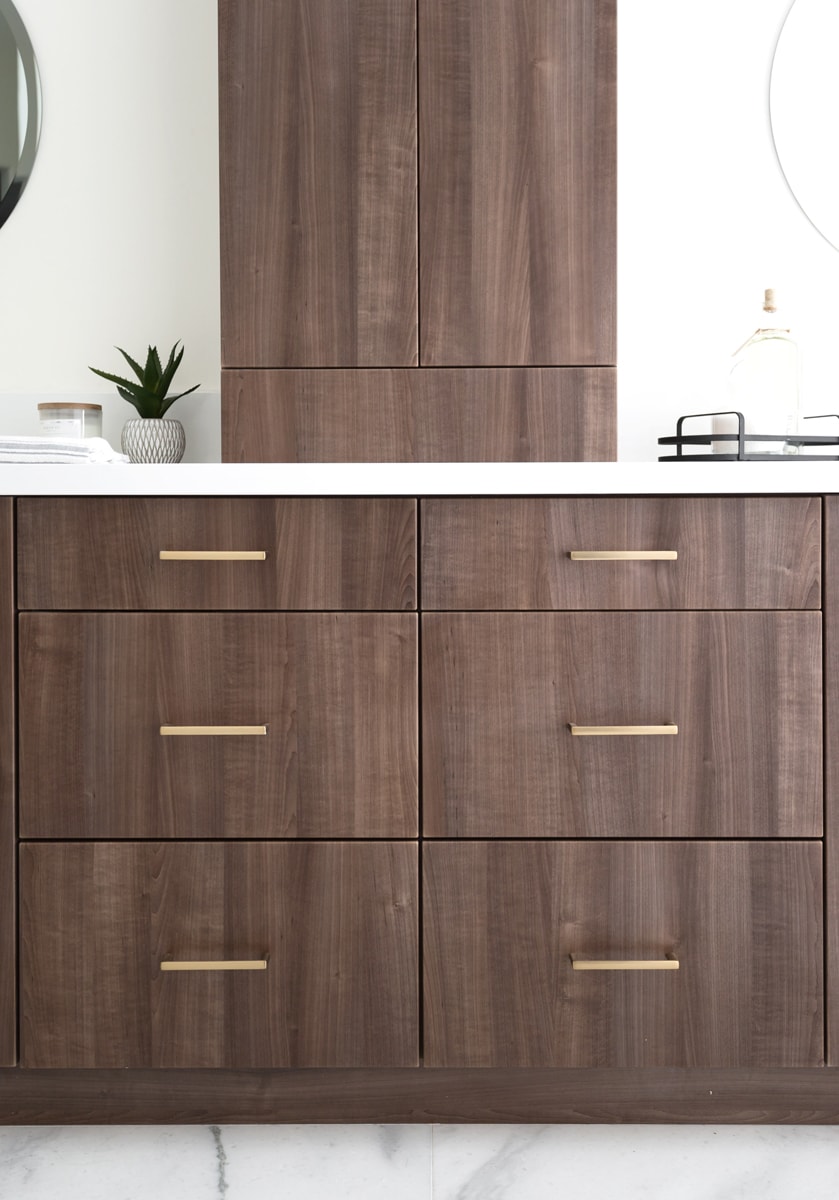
<point x="20" y="108"/>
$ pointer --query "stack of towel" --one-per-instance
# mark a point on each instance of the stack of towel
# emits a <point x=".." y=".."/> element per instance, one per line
<point x="57" y="450"/>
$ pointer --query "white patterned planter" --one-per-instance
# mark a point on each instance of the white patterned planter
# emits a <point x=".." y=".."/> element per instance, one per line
<point x="153" y="440"/>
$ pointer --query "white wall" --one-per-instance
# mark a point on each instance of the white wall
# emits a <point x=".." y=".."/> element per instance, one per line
<point x="706" y="220"/>
<point x="115" y="240"/>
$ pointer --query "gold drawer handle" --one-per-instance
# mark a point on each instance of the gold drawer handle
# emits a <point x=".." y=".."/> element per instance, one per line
<point x="213" y="555"/>
<point x="622" y="730"/>
<point x="670" y="963"/>
<point x="624" y="555"/>
<point x="213" y="730"/>
<point x="225" y="964"/>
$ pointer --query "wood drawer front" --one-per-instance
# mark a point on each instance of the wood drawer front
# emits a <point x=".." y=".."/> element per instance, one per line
<point x="337" y="923"/>
<point x="501" y="690"/>
<point x="515" y="554"/>
<point x="498" y="414"/>
<point x="337" y="692"/>
<point x="501" y="920"/>
<point x="320" y="554"/>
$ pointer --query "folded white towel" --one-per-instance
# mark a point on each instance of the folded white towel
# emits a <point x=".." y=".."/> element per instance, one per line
<point x="58" y="450"/>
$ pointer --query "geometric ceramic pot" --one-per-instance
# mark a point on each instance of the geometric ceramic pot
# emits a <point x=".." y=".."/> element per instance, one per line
<point x="153" y="440"/>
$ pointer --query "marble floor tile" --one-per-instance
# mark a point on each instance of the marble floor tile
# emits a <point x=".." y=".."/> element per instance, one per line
<point x="635" y="1162"/>
<point x="233" y="1162"/>
<point x="107" y="1162"/>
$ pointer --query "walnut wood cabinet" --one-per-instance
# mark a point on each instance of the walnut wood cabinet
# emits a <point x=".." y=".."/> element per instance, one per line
<point x="415" y="196"/>
<point x="446" y="971"/>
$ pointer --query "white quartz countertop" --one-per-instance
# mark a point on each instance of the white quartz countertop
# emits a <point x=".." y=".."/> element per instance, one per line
<point x="419" y="479"/>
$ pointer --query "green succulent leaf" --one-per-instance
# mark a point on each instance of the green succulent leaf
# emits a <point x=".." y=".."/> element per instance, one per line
<point x="170" y="369"/>
<point x="150" y="396"/>
<point x="153" y="371"/>
<point x="133" y="364"/>
<point x="170" y="400"/>
<point x="117" y="379"/>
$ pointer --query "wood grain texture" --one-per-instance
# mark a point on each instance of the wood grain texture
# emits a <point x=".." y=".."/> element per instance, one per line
<point x="336" y="921"/>
<point x="500" y="690"/>
<point x="338" y="693"/>
<point x="735" y="552"/>
<point x="502" y="918"/>
<point x="517" y="182"/>
<point x="831" y="783"/>
<point x="8" y="907"/>
<point x="604" y="1095"/>
<point x="88" y="553"/>
<point x="318" y="182"/>
<point x="481" y="415"/>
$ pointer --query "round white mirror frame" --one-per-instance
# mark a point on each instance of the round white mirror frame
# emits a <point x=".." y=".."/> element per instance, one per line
<point x="27" y="110"/>
<point x="804" y="110"/>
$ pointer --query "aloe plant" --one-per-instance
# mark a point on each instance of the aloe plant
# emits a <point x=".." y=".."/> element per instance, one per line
<point x="150" y="396"/>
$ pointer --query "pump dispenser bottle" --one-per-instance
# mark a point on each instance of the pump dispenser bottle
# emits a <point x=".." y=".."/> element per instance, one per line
<point x="765" y="381"/>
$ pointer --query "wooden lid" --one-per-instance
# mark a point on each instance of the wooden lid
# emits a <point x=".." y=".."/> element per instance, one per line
<point x="69" y="404"/>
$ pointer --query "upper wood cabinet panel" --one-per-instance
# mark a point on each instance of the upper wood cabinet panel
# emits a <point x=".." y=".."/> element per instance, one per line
<point x="515" y="414"/>
<point x="743" y="919"/>
<point x="502" y="691"/>
<point x="8" y="950"/>
<point x="517" y="182"/>
<point x="335" y="922"/>
<point x="318" y="182"/>
<point x="89" y="553"/>
<point x="737" y="552"/>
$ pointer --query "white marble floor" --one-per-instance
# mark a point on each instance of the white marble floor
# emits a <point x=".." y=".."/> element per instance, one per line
<point x="416" y="1162"/>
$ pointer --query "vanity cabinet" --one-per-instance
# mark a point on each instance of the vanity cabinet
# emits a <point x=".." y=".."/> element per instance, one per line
<point x="418" y="229"/>
<point x="540" y="839"/>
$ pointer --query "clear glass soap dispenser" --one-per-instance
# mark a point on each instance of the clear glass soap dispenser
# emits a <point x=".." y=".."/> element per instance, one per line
<point x="765" y="381"/>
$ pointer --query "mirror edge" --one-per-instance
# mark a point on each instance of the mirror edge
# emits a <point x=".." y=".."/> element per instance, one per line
<point x="33" y="99"/>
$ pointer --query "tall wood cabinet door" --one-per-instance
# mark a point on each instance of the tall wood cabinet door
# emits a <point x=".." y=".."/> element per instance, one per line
<point x="622" y="724"/>
<point x="517" y="182"/>
<point x="507" y="924"/>
<point x="111" y="935"/>
<point x="7" y="789"/>
<point x="218" y="725"/>
<point x="318" y="182"/>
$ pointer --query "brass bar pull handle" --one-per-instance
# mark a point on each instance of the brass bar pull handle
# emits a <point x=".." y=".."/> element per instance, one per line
<point x="624" y="555"/>
<point x="213" y="555"/>
<point x="213" y="730"/>
<point x="669" y="963"/>
<point x="622" y="730"/>
<point x="225" y="964"/>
